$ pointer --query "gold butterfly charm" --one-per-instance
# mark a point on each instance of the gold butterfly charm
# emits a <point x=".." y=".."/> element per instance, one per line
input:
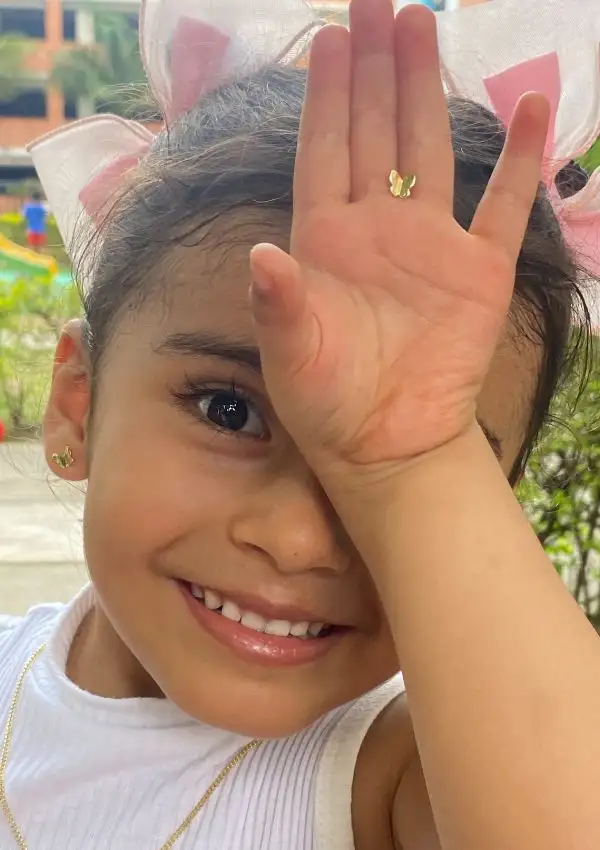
<point x="401" y="187"/>
<point x="65" y="459"/>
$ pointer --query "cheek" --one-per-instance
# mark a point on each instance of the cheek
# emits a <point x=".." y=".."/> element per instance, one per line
<point x="148" y="488"/>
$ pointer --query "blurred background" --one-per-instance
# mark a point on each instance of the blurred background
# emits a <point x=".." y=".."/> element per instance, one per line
<point x="60" y="61"/>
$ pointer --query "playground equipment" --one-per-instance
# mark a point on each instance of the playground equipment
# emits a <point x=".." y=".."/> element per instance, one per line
<point x="16" y="260"/>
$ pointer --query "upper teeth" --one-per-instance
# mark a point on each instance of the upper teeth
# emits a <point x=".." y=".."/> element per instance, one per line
<point x="283" y="628"/>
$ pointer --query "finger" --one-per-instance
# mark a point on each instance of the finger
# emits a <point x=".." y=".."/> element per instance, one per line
<point x="322" y="169"/>
<point x="503" y="213"/>
<point x="285" y="326"/>
<point x="424" y="136"/>
<point x="373" y="141"/>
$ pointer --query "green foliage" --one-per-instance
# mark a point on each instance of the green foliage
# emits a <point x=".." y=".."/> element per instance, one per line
<point x="561" y="490"/>
<point x="12" y="225"/>
<point x="32" y="312"/>
<point x="591" y="160"/>
<point x="109" y="73"/>
<point x="11" y="220"/>
<point x="13" y="54"/>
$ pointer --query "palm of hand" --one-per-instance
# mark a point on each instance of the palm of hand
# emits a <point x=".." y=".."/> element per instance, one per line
<point x="403" y="335"/>
<point x="387" y="313"/>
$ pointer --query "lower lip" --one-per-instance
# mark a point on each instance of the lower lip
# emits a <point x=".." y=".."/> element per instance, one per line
<point x="256" y="647"/>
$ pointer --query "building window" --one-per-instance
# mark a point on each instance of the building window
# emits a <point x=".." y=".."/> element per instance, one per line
<point x="69" y="25"/>
<point x="71" y="110"/>
<point x="29" y="104"/>
<point x="28" y="22"/>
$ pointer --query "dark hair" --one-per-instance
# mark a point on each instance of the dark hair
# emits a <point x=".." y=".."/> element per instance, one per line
<point x="236" y="149"/>
<point x="36" y="196"/>
<point x="571" y="179"/>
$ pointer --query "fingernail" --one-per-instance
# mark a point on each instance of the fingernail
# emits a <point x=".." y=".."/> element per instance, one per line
<point x="262" y="287"/>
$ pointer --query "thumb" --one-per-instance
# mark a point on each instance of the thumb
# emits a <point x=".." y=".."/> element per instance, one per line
<point x="285" y="325"/>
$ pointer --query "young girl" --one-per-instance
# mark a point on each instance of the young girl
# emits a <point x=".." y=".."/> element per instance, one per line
<point x="293" y="496"/>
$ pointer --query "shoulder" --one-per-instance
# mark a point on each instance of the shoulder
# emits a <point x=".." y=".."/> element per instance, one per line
<point x="391" y="806"/>
<point x="413" y="823"/>
<point x="357" y="772"/>
<point x="7" y="623"/>
<point x="385" y="756"/>
<point x="33" y="626"/>
<point x="392" y="736"/>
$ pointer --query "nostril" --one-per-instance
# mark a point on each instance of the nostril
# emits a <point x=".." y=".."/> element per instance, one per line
<point x="292" y="537"/>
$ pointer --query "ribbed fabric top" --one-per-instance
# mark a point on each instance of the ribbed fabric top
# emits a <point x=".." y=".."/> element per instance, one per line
<point x="86" y="772"/>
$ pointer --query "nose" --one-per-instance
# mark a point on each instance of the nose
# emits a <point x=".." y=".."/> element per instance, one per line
<point x="292" y="523"/>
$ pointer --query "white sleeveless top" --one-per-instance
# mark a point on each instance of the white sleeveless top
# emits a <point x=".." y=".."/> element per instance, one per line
<point x="87" y="773"/>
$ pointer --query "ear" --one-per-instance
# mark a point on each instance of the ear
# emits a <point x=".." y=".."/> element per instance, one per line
<point x="67" y="413"/>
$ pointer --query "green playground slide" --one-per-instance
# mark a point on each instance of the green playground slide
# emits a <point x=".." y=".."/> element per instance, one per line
<point x="14" y="259"/>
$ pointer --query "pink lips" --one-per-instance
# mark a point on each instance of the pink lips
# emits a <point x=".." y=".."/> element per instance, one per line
<point x="256" y="647"/>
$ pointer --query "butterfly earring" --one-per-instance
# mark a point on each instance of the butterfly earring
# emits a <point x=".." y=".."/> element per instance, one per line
<point x="65" y="459"/>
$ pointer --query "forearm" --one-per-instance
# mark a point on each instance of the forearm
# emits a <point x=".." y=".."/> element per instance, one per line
<point x="502" y="670"/>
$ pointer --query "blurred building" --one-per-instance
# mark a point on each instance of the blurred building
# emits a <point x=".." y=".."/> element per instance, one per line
<point x="52" y="25"/>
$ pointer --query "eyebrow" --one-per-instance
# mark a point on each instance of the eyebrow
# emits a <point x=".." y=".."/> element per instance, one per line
<point x="201" y="344"/>
<point x="204" y="344"/>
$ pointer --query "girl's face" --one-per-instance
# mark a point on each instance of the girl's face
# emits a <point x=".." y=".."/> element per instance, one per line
<point x="193" y="483"/>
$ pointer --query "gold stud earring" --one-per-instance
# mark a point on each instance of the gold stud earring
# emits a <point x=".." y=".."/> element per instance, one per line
<point x="65" y="459"/>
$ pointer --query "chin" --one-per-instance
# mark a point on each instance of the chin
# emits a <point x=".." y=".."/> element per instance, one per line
<point x="254" y="712"/>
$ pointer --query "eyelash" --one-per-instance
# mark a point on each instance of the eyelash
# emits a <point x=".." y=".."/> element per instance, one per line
<point x="194" y="392"/>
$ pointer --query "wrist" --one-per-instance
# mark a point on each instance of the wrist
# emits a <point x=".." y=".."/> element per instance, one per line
<point x="342" y="479"/>
<point x="407" y="516"/>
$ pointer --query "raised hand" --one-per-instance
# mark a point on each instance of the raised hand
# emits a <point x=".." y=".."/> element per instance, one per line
<point x="377" y="331"/>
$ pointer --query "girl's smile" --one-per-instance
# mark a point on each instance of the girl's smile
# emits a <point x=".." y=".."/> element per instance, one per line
<point x="260" y="632"/>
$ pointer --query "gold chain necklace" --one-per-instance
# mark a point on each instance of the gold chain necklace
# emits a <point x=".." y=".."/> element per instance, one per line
<point x="6" y="744"/>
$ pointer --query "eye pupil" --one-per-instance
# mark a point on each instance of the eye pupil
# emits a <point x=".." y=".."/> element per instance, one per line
<point x="228" y="412"/>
